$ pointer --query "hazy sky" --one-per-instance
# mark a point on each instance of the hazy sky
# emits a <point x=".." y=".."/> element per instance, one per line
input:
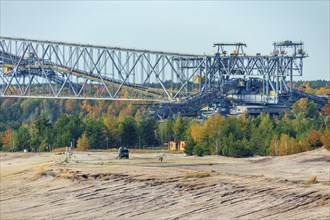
<point x="185" y="26"/>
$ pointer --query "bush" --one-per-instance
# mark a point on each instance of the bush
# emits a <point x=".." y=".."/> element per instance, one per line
<point x="237" y="149"/>
<point x="197" y="175"/>
<point x="188" y="149"/>
<point x="198" y="150"/>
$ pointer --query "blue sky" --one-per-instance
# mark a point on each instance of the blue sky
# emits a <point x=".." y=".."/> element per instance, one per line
<point x="185" y="26"/>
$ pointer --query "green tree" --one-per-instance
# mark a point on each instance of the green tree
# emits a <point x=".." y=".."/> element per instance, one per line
<point x="67" y="128"/>
<point x="236" y="148"/>
<point x="147" y="131"/>
<point x="35" y="140"/>
<point x="28" y="107"/>
<point x="179" y="128"/>
<point x="164" y="131"/>
<point x="262" y="135"/>
<point x="42" y="130"/>
<point x="305" y="107"/>
<point x="190" y="145"/>
<point x="24" y="137"/>
<point x="213" y="134"/>
<point x="113" y="135"/>
<point x="129" y="132"/>
<point x="1" y="139"/>
<point x="199" y="150"/>
<point x="96" y="133"/>
<point x="43" y="145"/>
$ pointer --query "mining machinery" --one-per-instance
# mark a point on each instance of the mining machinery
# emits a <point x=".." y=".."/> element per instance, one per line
<point x="229" y="81"/>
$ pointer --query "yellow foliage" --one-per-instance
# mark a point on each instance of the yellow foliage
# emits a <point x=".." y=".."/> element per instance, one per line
<point x="109" y="121"/>
<point x="138" y="116"/>
<point x="83" y="143"/>
<point x="285" y="145"/>
<point x="125" y="93"/>
<point x="121" y="116"/>
<point x="111" y="110"/>
<point x="85" y="106"/>
<point x="68" y="106"/>
<point x="323" y="91"/>
<point x="274" y="146"/>
<point x="197" y="132"/>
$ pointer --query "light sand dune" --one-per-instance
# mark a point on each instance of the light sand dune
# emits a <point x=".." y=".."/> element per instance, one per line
<point x="95" y="185"/>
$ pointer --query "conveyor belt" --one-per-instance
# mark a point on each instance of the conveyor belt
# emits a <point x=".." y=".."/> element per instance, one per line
<point x="319" y="101"/>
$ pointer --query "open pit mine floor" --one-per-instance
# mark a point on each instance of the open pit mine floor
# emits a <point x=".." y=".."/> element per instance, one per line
<point x="96" y="185"/>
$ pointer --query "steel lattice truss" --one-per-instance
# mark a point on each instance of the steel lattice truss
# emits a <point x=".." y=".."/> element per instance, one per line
<point x="181" y="82"/>
<point x="32" y="68"/>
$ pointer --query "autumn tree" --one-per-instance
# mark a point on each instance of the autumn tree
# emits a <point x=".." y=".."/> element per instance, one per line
<point x="138" y="116"/>
<point x="197" y="132"/>
<point x="274" y="146"/>
<point x="72" y="106"/>
<point x="218" y="135"/>
<point x="283" y="145"/>
<point x="6" y="140"/>
<point x="86" y="107"/>
<point x="314" y="139"/>
<point x="83" y="143"/>
<point x="213" y="131"/>
<point x="9" y="141"/>
<point x="323" y="91"/>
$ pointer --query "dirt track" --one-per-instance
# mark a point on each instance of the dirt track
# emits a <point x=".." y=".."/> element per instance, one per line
<point x="94" y="185"/>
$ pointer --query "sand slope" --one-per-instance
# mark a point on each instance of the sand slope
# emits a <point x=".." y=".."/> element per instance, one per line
<point x="95" y="185"/>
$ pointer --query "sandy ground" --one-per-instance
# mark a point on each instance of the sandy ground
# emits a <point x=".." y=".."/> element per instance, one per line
<point x="96" y="185"/>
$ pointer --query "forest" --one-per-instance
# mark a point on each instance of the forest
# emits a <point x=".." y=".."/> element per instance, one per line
<point x="47" y="124"/>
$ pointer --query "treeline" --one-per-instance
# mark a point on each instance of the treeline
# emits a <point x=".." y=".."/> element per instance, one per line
<point x="314" y="84"/>
<point x="304" y="128"/>
<point x="316" y="87"/>
<point x="40" y="125"/>
<point x="36" y="124"/>
<point x="84" y="133"/>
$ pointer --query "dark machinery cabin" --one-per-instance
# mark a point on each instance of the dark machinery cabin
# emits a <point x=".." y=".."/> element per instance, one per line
<point x="123" y="153"/>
